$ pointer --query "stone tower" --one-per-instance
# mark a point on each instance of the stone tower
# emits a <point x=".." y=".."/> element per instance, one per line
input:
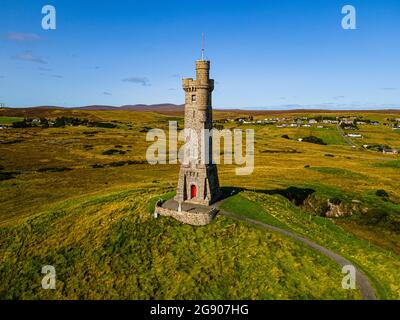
<point x="198" y="181"/>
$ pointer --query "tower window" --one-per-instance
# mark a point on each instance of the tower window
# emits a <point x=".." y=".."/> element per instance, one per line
<point x="193" y="98"/>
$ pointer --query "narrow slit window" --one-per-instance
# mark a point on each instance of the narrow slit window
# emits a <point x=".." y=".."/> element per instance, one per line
<point x="193" y="98"/>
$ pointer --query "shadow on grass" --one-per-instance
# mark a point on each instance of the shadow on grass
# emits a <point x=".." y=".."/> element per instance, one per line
<point x="294" y="194"/>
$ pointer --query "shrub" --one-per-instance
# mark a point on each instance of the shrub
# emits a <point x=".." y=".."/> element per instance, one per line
<point x="95" y="166"/>
<point x="118" y="163"/>
<point x="112" y="152"/>
<point x="285" y="136"/>
<point x="6" y="176"/>
<point x="22" y="124"/>
<point x="381" y="193"/>
<point x="313" y="139"/>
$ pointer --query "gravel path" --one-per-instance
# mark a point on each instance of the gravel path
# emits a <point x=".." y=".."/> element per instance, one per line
<point x="362" y="281"/>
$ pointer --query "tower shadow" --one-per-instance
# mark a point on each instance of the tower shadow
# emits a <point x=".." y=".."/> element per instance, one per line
<point x="295" y="195"/>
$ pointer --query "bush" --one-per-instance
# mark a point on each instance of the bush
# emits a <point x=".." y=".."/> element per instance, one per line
<point x="285" y="136"/>
<point x="118" y="163"/>
<point x="6" y="176"/>
<point x="22" y="124"/>
<point x="382" y="193"/>
<point x="313" y="139"/>
<point x="112" y="152"/>
<point x="96" y="166"/>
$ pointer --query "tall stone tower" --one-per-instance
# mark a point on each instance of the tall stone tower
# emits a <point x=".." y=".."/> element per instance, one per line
<point x="198" y="182"/>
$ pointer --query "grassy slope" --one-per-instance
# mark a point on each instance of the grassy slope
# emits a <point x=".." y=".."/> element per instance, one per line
<point x="72" y="232"/>
<point x="109" y="247"/>
<point x="380" y="265"/>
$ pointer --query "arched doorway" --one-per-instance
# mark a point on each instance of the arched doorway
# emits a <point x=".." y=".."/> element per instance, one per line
<point x="193" y="191"/>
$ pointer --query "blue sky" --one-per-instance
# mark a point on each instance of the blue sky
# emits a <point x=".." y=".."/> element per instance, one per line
<point x="273" y="54"/>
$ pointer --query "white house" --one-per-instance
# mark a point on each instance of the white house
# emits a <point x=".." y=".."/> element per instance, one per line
<point x="354" y="135"/>
<point x="390" y="151"/>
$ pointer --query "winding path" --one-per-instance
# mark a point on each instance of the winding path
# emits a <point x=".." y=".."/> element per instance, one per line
<point x="362" y="281"/>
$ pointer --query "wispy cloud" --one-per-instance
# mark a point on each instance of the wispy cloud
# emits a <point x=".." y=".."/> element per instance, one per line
<point x="44" y="69"/>
<point x="28" y="56"/>
<point x="22" y="37"/>
<point x="58" y="76"/>
<point x="338" y="97"/>
<point x="139" y="80"/>
<point x="389" y="89"/>
<point x="107" y="93"/>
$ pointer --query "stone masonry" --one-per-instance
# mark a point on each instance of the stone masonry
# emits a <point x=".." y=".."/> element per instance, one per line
<point x="198" y="182"/>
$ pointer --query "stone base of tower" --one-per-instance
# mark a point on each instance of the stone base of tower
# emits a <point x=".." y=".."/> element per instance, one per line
<point x="194" y="214"/>
<point x="199" y="185"/>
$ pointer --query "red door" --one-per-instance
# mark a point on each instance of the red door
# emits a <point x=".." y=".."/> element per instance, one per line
<point x="193" y="191"/>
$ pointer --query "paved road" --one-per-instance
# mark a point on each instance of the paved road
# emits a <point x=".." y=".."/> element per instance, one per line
<point x="346" y="138"/>
<point x="362" y="281"/>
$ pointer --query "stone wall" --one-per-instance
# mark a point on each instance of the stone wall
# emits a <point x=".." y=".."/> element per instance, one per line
<point x="193" y="218"/>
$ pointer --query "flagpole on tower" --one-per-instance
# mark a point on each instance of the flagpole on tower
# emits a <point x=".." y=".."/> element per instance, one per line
<point x="202" y="47"/>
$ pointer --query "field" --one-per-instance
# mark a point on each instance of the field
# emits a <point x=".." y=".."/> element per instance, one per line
<point x="80" y="198"/>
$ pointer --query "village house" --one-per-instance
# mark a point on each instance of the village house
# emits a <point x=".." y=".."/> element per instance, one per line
<point x="354" y="135"/>
<point x="390" y="151"/>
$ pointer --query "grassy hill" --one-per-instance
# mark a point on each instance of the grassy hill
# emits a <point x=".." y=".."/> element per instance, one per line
<point x="67" y="201"/>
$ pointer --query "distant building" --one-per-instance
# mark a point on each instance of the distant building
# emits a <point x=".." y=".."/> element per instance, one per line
<point x="354" y="135"/>
<point x="390" y="151"/>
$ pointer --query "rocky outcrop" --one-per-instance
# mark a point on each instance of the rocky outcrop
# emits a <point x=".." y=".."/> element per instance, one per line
<point x="332" y="207"/>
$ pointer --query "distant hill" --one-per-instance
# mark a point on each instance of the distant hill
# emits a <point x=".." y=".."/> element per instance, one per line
<point x="176" y="110"/>
<point x="138" y="107"/>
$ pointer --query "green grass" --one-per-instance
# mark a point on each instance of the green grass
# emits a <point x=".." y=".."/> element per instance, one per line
<point x="388" y="164"/>
<point x="338" y="171"/>
<point x="250" y="209"/>
<point x="375" y="261"/>
<point x="109" y="247"/>
<point x="9" y="120"/>
<point x="94" y="221"/>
